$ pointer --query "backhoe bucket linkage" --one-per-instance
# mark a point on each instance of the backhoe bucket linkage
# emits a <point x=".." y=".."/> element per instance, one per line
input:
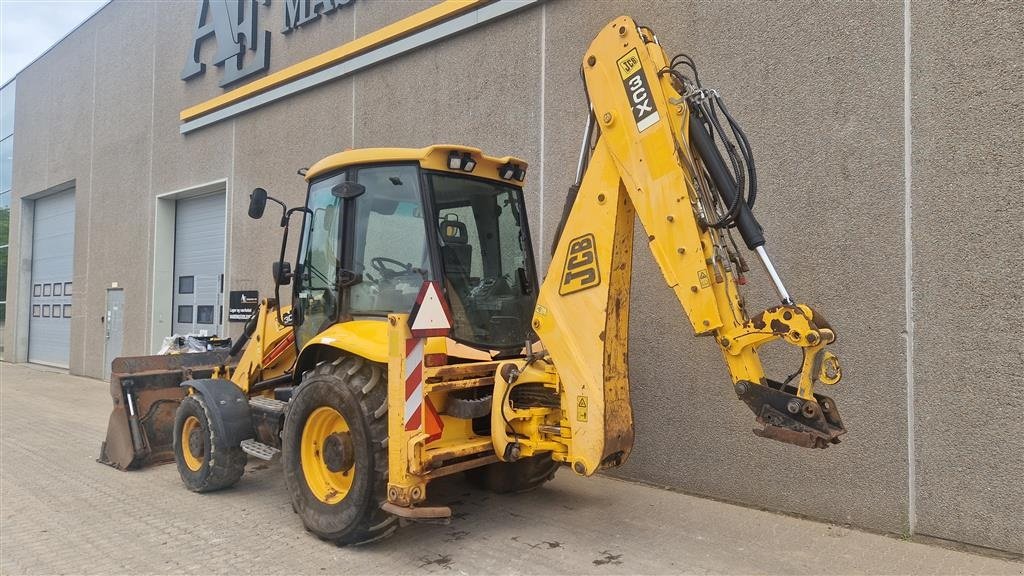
<point x="791" y="419"/>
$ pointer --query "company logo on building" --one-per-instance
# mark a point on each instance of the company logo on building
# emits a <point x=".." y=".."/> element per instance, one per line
<point x="243" y="47"/>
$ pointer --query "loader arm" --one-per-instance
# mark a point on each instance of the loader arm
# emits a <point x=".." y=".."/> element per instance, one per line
<point x="645" y="163"/>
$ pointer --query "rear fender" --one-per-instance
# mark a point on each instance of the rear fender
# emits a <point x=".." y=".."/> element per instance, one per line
<point x="364" y="338"/>
<point x="227" y="408"/>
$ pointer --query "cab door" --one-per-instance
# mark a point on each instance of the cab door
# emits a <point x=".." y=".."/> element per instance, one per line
<point x="316" y="293"/>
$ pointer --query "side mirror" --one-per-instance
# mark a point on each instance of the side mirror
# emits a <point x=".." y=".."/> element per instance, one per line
<point x="257" y="203"/>
<point x="282" y="272"/>
<point x="346" y="190"/>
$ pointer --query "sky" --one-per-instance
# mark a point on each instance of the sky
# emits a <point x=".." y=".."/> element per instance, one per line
<point x="29" y="27"/>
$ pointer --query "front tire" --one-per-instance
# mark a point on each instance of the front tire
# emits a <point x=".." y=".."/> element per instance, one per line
<point x="334" y="451"/>
<point x="203" y="466"/>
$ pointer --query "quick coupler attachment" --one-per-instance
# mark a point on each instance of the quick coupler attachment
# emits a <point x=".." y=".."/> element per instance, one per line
<point x="791" y="419"/>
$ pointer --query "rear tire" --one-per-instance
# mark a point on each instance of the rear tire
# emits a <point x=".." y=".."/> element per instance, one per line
<point x="203" y="466"/>
<point x="523" y="475"/>
<point x="334" y="451"/>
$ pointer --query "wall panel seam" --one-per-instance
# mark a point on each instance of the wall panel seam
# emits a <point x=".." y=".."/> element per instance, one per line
<point x="543" y="74"/>
<point x="908" y="272"/>
<point x="151" y="214"/>
<point x="83" y="301"/>
<point x="352" y="79"/>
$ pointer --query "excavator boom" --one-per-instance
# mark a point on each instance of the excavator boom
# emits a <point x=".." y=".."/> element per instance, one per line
<point x="648" y="154"/>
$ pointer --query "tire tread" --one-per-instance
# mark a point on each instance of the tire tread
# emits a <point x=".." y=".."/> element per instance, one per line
<point x="360" y="376"/>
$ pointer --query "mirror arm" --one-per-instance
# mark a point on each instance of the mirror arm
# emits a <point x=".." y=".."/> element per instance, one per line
<point x="277" y="285"/>
<point x="285" y="223"/>
<point x="284" y="208"/>
<point x="286" y="215"/>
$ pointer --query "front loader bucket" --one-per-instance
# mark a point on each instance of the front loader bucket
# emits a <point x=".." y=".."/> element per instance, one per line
<point x="146" y="391"/>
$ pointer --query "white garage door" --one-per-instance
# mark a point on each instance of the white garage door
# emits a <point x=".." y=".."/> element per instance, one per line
<point x="199" y="265"/>
<point x="53" y="256"/>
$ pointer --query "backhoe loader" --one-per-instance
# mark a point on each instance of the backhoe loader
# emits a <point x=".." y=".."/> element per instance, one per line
<point x="417" y="340"/>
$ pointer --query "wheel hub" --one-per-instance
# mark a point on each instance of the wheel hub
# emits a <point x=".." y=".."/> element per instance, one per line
<point x="327" y="454"/>
<point x="192" y="442"/>
<point x="195" y="442"/>
<point x="337" y="452"/>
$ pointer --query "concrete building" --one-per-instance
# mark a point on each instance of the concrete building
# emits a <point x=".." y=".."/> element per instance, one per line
<point x="888" y="140"/>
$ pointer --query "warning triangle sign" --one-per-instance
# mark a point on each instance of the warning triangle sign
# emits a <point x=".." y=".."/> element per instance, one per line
<point x="430" y="315"/>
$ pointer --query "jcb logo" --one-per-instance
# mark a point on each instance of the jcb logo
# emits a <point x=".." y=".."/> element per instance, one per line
<point x="581" y="271"/>
<point x="628" y="64"/>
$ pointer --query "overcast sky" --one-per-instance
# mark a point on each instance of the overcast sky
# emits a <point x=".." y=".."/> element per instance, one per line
<point x="29" y="27"/>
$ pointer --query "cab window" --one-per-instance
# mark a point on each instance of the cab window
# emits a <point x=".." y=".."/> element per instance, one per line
<point x="389" y="241"/>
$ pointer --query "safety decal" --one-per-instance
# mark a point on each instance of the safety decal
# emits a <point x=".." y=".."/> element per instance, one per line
<point x="581" y="408"/>
<point x="413" y="383"/>
<point x="430" y="315"/>
<point x="704" y="278"/>
<point x="638" y="91"/>
<point x="581" y="271"/>
<point x="420" y="413"/>
<point x="278" y="350"/>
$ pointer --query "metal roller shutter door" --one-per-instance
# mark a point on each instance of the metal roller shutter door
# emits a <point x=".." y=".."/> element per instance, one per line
<point x="53" y="258"/>
<point x="199" y="265"/>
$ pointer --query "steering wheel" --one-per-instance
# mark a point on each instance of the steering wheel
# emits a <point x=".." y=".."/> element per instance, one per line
<point x="485" y="289"/>
<point x="385" y="266"/>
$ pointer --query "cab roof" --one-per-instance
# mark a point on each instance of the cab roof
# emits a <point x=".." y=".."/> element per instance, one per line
<point x="432" y="157"/>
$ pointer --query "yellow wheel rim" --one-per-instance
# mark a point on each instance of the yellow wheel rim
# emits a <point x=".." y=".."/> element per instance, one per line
<point x="190" y="427"/>
<point x="327" y="457"/>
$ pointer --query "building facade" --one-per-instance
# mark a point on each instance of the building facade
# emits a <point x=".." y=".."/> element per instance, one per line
<point x="890" y="204"/>
<point x="6" y="177"/>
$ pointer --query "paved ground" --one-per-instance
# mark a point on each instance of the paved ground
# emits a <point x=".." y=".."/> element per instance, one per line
<point x="61" y="512"/>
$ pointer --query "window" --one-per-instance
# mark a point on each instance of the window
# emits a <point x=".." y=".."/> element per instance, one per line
<point x="46" y="310"/>
<point x="36" y="310"/>
<point x="186" y="284"/>
<point x="37" y="290"/>
<point x="7" y="109"/>
<point x="204" y="314"/>
<point x="56" y="288"/>
<point x="6" y="163"/>
<point x="316" y="292"/>
<point x="184" y="314"/>
<point x="67" y="310"/>
<point x="389" y="248"/>
<point x="67" y="288"/>
<point x="6" y="177"/>
<point x="46" y="289"/>
<point x="485" y="252"/>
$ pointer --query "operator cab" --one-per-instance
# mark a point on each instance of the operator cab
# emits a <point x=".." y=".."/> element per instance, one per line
<point x="380" y="222"/>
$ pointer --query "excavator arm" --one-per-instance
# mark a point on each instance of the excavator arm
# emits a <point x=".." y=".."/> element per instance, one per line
<point x="648" y="153"/>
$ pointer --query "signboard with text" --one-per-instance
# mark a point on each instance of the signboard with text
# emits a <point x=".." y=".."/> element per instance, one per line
<point x="242" y="305"/>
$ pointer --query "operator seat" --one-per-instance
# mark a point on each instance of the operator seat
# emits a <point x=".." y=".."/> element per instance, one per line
<point x="456" y="252"/>
<point x="457" y="259"/>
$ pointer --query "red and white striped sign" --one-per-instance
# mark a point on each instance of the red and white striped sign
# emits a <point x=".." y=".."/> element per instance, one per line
<point x="413" y="383"/>
<point x="429" y="317"/>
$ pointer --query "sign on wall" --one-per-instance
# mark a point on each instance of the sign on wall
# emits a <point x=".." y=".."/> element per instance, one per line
<point x="242" y="304"/>
<point x="243" y="46"/>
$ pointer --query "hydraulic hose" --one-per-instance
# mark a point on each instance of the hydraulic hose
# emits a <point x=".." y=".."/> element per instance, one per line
<point x="747" y="225"/>
<point x="250" y="327"/>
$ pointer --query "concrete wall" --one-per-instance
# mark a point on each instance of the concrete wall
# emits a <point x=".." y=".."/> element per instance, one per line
<point x="820" y="89"/>
<point x="967" y="72"/>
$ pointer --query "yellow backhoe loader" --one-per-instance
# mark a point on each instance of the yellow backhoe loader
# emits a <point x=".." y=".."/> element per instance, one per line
<point x="418" y="341"/>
